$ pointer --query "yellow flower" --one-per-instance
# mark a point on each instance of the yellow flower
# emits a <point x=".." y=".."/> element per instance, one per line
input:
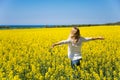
<point x="27" y="53"/>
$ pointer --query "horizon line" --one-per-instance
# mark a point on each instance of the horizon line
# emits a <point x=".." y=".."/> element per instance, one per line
<point x="57" y="24"/>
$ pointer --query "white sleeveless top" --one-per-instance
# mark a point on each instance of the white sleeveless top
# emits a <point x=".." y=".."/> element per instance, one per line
<point x="74" y="50"/>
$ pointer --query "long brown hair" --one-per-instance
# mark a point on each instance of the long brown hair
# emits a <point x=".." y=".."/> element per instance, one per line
<point x="75" y="34"/>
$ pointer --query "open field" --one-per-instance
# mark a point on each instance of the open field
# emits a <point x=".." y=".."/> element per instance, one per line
<point x="26" y="54"/>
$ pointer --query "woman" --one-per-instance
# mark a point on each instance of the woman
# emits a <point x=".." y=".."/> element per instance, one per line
<point x="74" y="46"/>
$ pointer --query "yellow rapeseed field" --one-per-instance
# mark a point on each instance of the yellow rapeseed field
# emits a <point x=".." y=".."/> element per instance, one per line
<point x="25" y="54"/>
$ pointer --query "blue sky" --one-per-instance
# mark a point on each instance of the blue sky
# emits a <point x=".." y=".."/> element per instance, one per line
<point x="57" y="12"/>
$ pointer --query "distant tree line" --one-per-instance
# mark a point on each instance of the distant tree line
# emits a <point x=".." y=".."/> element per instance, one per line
<point x="2" y="27"/>
<point x="55" y="26"/>
<point x="83" y="25"/>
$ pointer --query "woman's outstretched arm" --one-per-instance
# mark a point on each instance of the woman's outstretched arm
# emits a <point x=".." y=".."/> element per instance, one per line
<point x="55" y="44"/>
<point x="61" y="42"/>
<point x="97" y="38"/>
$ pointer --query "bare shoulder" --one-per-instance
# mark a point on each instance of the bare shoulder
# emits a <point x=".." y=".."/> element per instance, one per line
<point x="81" y="37"/>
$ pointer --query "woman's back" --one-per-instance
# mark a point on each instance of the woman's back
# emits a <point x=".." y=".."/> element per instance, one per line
<point x="74" y="49"/>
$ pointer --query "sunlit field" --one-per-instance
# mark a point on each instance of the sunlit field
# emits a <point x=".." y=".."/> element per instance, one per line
<point x="26" y="54"/>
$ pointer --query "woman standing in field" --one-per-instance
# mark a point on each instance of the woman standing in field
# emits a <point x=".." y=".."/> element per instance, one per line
<point x="74" y="46"/>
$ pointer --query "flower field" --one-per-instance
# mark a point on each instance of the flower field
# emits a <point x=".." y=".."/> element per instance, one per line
<point x="26" y="54"/>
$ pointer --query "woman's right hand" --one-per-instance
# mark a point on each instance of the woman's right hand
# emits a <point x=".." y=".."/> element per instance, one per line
<point x="53" y="46"/>
<point x="101" y="38"/>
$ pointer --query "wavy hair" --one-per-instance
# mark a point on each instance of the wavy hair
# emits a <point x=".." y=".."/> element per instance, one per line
<point x="75" y="34"/>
